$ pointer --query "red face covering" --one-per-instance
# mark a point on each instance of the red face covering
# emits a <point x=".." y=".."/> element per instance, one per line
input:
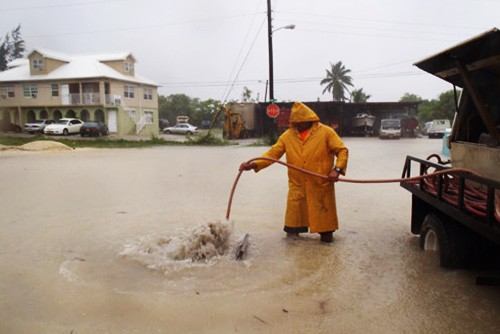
<point x="304" y="133"/>
<point x="303" y="128"/>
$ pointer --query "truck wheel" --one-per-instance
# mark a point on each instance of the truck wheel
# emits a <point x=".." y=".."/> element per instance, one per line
<point x="450" y="239"/>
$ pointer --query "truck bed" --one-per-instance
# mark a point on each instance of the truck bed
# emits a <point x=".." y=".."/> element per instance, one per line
<point x="468" y="199"/>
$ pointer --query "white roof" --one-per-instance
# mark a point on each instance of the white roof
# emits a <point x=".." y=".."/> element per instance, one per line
<point x="76" y="67"/>
<point x="18" y="62"/>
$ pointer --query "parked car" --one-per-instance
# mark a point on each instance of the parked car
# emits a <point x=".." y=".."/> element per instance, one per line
<point x="163" y="122"/>
<point x="94" y="129"/>
<point x="37" y="125"/>
<point x="7" y="126"/>
<point x="64" y="126"/>
<point x="181" y="128"/>
<point x="205" y="124"/>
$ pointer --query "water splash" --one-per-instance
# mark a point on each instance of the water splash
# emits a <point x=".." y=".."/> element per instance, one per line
<point x="204" y="244"/>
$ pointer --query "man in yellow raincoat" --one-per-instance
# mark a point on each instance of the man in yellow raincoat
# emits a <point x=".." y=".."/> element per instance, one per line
<point x="313" y="146"/>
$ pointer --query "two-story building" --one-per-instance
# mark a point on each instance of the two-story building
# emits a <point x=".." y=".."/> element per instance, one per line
<point x="101" y="87"/>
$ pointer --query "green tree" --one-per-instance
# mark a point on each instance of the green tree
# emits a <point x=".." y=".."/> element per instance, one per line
<point x="11" y="48"/>
<point x="4" y="54"/>
<point x="425" y="111"/>
<point x="441" y="108"/>
<point x="17" y="44"/>
<point x="171" y="106"/>
<point x="207" y="109"/>
<point x="409" y="97"/>
<point x="336" y="81"/>
<point x="247" y="95"/>
<point x="445" y="106"/>
<point x="359" y="96"/>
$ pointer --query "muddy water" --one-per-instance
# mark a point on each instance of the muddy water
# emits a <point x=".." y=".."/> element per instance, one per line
<point x="89" y="239"/>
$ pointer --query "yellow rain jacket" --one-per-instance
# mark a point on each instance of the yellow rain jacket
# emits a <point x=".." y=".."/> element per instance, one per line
<point x="311" y="200"/>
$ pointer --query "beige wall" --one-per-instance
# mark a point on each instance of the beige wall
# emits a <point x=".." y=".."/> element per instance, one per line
<point x="119" y="65"/>
<point x="48" y="64"/>
<point x="19" y="107"/>
<point x="118" y="88"/>
<point x="45" y="98"/>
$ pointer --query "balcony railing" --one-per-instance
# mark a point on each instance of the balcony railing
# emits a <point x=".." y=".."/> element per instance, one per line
<point x="84" y="98"/>
<point x="91" y="98"/>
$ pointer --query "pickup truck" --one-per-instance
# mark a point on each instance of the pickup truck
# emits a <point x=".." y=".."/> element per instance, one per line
<point x="458" y="214"/>
<point x="437" y="128"/>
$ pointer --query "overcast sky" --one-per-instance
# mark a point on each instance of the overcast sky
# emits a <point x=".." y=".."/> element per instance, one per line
<point x="214" y="48"/>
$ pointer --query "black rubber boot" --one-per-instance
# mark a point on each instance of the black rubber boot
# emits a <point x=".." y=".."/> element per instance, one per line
<point x="326" y="237"/>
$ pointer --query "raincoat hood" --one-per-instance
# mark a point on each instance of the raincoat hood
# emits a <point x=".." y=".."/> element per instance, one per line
<point x="302" y="113"/>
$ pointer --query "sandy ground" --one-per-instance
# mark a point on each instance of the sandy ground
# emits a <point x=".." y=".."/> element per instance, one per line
<point x="82" y="235"/>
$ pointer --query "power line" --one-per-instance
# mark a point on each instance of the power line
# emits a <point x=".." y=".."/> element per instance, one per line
<point x="244" y="60"/>
<point x="381" y="36"/>
<point x="284" y="81"/>
<point x="371" y="28"/>
<point x="241" y="50"/>
<point x="420" y="24"/>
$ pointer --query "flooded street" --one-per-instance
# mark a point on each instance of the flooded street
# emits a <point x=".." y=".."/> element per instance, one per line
<point x="83" y="232"/>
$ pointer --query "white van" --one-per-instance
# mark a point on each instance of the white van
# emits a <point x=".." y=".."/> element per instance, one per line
<point x="182" y="119"/>
<point x="437" y="128"/>
<point x="390" y="128"/>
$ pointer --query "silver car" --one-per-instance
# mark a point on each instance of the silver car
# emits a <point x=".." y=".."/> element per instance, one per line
<point x="181" y="128"/>
<point x="37" y="125"/>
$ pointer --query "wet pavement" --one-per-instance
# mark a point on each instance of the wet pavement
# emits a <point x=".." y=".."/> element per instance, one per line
<point x="79" y="230"/>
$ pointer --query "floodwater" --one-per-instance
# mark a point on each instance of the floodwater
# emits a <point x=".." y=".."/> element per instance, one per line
<point x="90" y="242"/>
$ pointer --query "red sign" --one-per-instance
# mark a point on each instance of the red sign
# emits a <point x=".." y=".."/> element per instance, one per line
<point x="273" y="110"/>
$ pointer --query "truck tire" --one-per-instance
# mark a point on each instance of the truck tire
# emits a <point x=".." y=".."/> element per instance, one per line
<point x="450" y="239"/>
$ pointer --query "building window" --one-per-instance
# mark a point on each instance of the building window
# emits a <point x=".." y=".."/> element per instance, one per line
<point x="149" y="117"/>
<point x="55" y="90"/>
<point x="30" y="90"/>
<point x="7" y="91"/>
<point x="148" y="93"/>
<point x="38" y="64"/>
<point x="128" y="92"/>
<point x="129" y="66"/>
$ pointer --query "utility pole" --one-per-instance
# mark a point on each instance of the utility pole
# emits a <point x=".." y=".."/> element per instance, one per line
<point x="270" y="43"/>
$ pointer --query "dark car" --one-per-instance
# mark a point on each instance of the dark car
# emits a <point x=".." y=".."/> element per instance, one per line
<point x="7" y="126"/>
<point x="94" y="129"/>
<point x="163" y="123"/>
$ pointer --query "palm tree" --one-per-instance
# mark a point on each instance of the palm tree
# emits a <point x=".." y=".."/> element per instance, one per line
<point x="359" y="96"/>
<point x="337" y="80"/>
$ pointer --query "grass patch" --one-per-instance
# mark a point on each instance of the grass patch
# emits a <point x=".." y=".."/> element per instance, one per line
<point x="204" y="140"/>
<point x="207" y="139"/>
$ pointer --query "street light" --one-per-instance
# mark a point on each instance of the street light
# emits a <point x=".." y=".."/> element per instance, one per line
<point x="270" y="32"/>
<point x="290" y="26"/>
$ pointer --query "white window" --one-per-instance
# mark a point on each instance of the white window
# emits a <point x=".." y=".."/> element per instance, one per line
<point x="129" y="66"/>
<point x="131" y="113"/>
<point x="30" y="90"/>
<point x="149" y="117"/>
<point x="7" y="91"/>
<point x="117" y="100"/>
<point x="148" y="93"/>
<point x="55" y="89"/>
<point x="38" y="64"/>
<point x="128" y="92"/>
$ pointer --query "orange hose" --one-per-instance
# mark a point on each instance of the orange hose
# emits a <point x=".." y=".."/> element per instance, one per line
<point x="409" y="179"/>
